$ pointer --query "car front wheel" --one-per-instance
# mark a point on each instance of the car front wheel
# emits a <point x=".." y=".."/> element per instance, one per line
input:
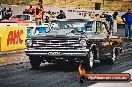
<point x="35" y="61"/>
<point x="89" y="60"/>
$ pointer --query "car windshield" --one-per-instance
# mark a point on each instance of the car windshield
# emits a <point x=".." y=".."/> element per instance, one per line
<point x="24" y="17"/>
<point x="80" y="25"/>
<point x="17" y="16"/>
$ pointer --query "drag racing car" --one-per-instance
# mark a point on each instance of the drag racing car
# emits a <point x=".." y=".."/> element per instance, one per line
<point x="73" y="40"/>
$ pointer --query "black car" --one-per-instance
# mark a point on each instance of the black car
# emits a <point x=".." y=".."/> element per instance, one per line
<point x="73" y="40"/>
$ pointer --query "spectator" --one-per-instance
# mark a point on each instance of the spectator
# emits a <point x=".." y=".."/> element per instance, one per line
<point x="115" y="22"/>
<point x="4" y="13"/>
<point x="30" y="10"/>
<point x="127" y="18"/>
<point x="1" y="7"/>
<point x="53" y="14"/>
<point x="49" y="14"/>
<point x="8" y="13"/>
<point x="47" y="19"/>
<point x="115" y="15"/>
<point x="25" y="11"/>
<point x="38" y="14"/>
<point x="61" y="15"/>
<point x="40" y="1"/>
<point x="103" y="15"/>
<point x="109" y="20"/>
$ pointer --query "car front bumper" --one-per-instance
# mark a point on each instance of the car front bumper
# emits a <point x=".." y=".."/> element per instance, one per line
<point x="56" y="52"/>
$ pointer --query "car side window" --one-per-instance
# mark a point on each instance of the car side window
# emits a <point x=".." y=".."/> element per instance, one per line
<point x="98" y="26"/>
<point x="90" y="25"/>
<point x="26" y="17"/>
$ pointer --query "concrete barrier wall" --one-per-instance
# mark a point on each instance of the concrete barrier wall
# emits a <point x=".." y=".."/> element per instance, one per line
<point x="12" y="38"/>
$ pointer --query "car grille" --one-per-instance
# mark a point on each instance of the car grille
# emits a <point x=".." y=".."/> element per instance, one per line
<point x="56" y="44"/>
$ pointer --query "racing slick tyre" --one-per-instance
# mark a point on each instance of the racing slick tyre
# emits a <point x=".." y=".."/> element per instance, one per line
<point x="117" y="51"/>
<point x="35" y="61"/>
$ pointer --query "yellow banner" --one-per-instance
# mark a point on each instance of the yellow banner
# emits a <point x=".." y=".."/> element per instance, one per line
<point x="12" y="38"/>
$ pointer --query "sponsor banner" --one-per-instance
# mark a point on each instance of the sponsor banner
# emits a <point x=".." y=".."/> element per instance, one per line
<point x="103" y="77"/>
<point x="12" y="38"/>
<point x="107" y="77"/>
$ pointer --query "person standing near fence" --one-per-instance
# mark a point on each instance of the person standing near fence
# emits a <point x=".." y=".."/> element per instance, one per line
<point x="61" y="15"/>
<point x="115" y="22"/>
<point x="127" y="18"/>
<point x="30" y="10"/>
<point x="8" y="13"/>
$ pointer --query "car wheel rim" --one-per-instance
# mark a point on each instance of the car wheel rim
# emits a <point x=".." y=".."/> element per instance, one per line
<point x="120" y="50"/>
<point x="91" y="60"/>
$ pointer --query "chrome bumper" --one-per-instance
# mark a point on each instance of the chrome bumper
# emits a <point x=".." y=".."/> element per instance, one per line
<point x="57" y="52"/>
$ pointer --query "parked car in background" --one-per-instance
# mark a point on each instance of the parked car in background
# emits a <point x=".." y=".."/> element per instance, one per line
<point x="120" y="22"/>
<point x="22" y="18"/>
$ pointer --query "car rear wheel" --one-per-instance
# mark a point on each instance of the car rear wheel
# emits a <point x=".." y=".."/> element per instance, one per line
<point x="89" y="61"/>
<point x="35" y="61"/>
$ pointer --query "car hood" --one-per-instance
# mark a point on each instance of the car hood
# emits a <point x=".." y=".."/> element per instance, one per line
<point x="15" y="20"/>
<point x="63" y="33"/>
